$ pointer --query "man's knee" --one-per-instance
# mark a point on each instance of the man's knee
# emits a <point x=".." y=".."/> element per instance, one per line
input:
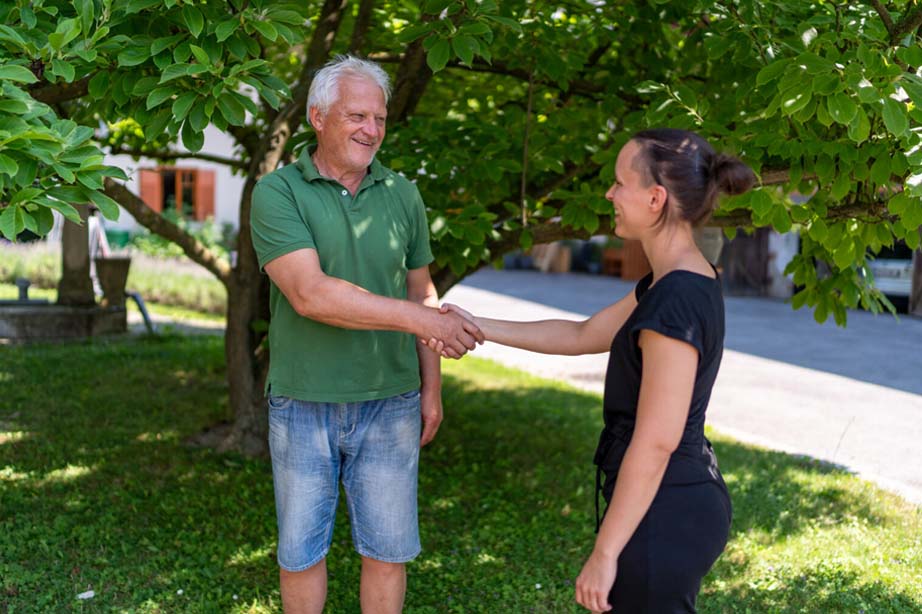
<point x="382" y="568"/>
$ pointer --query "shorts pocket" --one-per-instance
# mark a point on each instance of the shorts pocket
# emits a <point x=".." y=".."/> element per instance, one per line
<point x="278" y="402"/>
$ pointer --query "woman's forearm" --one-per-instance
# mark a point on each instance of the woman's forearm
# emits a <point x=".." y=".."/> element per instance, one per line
<point x="544" y="336"/>
<point x="638" y="480"/>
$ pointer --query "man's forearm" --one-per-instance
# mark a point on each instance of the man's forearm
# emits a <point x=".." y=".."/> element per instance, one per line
<point x="342" y="304"/>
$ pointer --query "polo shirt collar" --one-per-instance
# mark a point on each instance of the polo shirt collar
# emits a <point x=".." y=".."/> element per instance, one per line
<point x="376" y="170"/>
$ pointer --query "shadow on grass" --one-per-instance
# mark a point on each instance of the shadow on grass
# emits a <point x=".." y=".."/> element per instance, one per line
<point x="100" y="493"/>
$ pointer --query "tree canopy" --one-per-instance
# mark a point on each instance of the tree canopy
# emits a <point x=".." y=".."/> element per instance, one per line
<point x="507" y="115"/>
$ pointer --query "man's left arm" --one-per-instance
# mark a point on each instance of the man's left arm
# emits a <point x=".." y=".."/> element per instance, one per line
<point x="420" y="289"/>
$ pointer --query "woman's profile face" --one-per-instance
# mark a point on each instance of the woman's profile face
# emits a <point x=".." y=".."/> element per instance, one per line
<point x="631" y="195"/>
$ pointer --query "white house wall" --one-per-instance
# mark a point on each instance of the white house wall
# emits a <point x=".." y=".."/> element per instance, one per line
<point x="228" y="186"/>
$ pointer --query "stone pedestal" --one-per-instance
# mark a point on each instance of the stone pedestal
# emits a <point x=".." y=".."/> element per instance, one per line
<point x="112" y="272"/>
<point x="25" y="323"/>
<point x="75" y="287"/>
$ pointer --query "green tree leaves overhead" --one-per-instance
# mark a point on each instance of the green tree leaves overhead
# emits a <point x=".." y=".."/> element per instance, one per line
<point x="511" y="113"/>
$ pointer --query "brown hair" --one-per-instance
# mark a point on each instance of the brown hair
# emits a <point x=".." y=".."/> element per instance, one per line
<point x="690" y="170"/>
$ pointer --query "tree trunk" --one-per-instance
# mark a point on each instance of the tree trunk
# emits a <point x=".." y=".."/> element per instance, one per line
<point x="245" y="368"/>
<point x="915" y="288"/>
<point x="245" y="345"/>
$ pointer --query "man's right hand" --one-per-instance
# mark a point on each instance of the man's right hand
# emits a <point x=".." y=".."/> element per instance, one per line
<point x="455" y="334"/>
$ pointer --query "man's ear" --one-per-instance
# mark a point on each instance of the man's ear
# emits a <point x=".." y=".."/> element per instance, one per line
<point x="658" y="197"/>
<point x="316" y="118"/>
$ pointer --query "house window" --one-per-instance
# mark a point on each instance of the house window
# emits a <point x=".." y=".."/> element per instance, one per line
<point x="187" y="191"/>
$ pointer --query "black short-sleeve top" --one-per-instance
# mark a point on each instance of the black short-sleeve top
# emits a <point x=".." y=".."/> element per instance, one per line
<point x="682" y="305"/>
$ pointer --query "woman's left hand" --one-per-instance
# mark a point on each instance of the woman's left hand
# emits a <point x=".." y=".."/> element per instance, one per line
<point x="595" y="582"/>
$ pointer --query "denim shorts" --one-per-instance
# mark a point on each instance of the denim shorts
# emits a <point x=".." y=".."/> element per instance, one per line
<point x="373" y="448"/>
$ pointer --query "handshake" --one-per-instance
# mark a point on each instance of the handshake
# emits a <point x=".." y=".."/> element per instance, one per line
<point x="450" y="331"/>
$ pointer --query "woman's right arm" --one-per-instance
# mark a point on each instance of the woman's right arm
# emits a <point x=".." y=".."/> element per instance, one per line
<point x="592" y="336"/>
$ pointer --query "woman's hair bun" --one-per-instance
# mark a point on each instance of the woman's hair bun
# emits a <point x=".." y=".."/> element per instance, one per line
<point x="731" y="175"/>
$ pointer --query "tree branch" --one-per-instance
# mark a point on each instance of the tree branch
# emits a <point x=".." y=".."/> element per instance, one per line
<point x="176" y="155"/>
<point x="909" y="22"/>
<point x="158" y="224"/>
<point x="413" y="75"/>
<point x="884" y="17"/>
<point x="286" y="123"/>
<point x="57" y="93"/>
<point x="362" y="24"/>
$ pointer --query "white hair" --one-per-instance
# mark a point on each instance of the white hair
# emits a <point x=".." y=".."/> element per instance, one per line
<point x="325" y="85"/>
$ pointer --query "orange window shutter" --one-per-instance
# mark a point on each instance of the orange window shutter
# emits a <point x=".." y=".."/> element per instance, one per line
<point x="204" y="194"/>
<point x="151" y="189"/>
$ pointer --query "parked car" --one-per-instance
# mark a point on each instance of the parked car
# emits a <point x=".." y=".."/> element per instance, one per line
<point x="892" y="271"/>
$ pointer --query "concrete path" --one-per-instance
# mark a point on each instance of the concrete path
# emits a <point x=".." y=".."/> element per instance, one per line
<point x="850" y="396"/>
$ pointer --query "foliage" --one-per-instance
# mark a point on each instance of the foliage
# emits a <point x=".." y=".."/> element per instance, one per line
<point x="822" y="98"/>
<point x="505" y="500"/>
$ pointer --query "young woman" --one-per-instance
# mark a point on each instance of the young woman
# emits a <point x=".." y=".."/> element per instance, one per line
<point x="668" y="514"/>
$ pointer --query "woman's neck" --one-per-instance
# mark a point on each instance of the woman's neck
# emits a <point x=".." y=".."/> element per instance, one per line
<point x="674" y="248"/>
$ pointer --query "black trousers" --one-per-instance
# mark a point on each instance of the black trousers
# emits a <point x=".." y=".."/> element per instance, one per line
<point x="675" y="545"/>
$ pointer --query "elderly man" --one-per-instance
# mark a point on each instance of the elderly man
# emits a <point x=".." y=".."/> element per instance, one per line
<point x="352" y="393"/>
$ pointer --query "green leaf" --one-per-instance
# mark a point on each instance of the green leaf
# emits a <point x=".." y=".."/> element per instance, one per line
<point x="182" y="104"/>
<point x="841" y="187"/>
<point x="818" y="230"/>
<point x="159" y="95"/>
<point x="136" y="6"/>
<point x="8" y="222"/>
<point x="880" y="170"/>
<point x="193" y="18"/>
<point x="842" y="108"/>
<point x="67" y="30"/>
<point x="794" y="100"/>
<point x="860" y="128"/>
<point x="438" y="55"/>
<point x="225" y="29"/>
<point x="107" y="206"/>
<point x="898" y="203"/>
<point x="200" y="55"/>
<point x="198" y="118"/>
<point x="231" y="109"/>
<point x="526" y="239"/>
<point x="895" y="118"/>
<point x="827" y="83"/>
<point x="912" y="55"/>
<point x="63" y="69"/>
<point x="434" y="7"/>
<point x="14" y="107"/>
<point x="761" y="202"/>
<point x="20" y="74"/>
<point x="174" y="71"/>
<point x="192" y="139"/>
<point x="86" y="11"/>
<point x="781" y="221"/>
<point x="913" y="86"/>
<point x="844" y="255"/>
<point x="44" y="220"/>
<point x="772" y="71"/>
<point x="465" y="47"/>
<point x="266" y="29"/>
<point x="132" y="56"/>
<point x="8" y="165"/>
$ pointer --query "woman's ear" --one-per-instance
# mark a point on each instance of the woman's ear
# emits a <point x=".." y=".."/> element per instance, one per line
<point x="658" y="196"/>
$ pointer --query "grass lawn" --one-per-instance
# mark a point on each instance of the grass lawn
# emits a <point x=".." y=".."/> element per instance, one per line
<point x="98" y="491"/>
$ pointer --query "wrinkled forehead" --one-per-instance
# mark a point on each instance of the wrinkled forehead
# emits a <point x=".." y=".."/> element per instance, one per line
<point x="358" y="91"/>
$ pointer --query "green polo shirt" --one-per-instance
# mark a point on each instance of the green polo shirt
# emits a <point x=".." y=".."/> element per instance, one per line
<point x="371" y="239"/>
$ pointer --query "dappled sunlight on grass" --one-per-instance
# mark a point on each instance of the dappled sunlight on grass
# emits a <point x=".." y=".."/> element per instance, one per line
<point x="102" y="486"/>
